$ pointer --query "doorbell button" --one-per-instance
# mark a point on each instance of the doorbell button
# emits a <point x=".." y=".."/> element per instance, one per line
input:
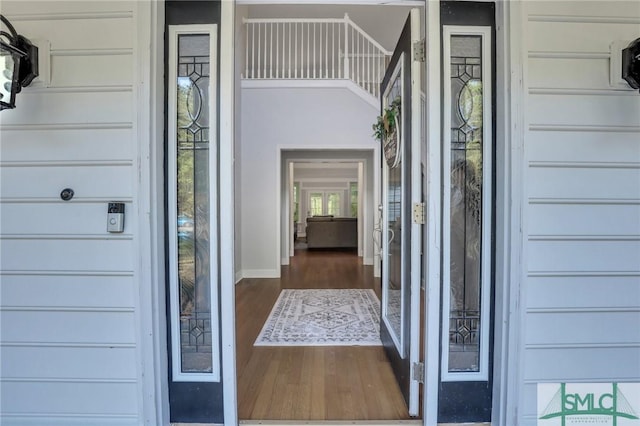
<point x="115" y="217"/>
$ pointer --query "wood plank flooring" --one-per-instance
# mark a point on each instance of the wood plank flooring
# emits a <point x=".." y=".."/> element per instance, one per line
<point x="311" y="383"/>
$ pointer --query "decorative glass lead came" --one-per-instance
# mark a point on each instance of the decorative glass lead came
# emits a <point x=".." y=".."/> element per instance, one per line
<point x="466" y="202"/>
<point x="393" y="311"/>
<point x="193" y="202"/>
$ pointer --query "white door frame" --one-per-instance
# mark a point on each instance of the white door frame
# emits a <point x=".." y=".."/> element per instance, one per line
<point x="149" y="127"/>
<point x="227" y="211"/>
<point x="510" y="267"/>
<point x="432" y="228"/>
<point x="152" y="356"/>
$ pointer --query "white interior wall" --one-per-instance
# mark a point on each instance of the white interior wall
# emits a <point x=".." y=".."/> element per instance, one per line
<point x="276" y="119"/>
<point x="582" y="200"/>
<point x="70" y="349"/>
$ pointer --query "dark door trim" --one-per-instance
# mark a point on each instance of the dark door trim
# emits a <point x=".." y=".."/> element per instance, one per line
<point x="190" y="401"/>
<point x="471" y="401"/>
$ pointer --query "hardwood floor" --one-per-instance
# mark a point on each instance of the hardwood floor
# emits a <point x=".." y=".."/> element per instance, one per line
<point x="311" y="383"/>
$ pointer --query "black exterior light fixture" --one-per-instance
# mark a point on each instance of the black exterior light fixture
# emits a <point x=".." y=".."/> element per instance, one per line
<point x="631" y="64"/>
<point x="18" y="64"/>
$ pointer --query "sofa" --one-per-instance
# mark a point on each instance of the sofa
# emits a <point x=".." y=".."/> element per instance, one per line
<point x="332" y="232"/>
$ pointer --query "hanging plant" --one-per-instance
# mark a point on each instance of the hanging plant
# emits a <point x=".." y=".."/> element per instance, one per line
<point x="387" y="130"/>
<point x="386" y="123"/>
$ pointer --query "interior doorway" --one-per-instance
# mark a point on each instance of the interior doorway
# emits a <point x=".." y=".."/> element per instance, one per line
<point x="338" y="382"/>
<point x="326" y="201"/>
<point x="324" y="379"/>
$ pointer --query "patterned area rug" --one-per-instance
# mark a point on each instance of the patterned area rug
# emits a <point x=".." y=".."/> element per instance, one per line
<point x="323" y="318"/>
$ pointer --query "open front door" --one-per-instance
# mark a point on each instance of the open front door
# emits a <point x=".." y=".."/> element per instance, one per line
<point x="401" y="194"/>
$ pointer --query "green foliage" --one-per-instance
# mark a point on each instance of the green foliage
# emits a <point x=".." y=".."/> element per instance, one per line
<point x="386" y="123"/>
<point x="185" y="167"/>
<point x="185" y="184"/>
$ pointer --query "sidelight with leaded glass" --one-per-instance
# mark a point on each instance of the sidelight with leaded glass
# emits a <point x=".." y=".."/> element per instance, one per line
<point x="467" y="202"/>
<point x="193" y="206"/>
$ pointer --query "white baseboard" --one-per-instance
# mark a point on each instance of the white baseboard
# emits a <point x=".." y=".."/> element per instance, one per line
<point x="261" y="273"/>
<point x="367" y="261"/>
<point x="284" y="261"/>
<point x="239" y="276"/>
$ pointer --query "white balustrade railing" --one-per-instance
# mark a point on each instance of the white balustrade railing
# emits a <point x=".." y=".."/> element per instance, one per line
<point x="313" y="49"/>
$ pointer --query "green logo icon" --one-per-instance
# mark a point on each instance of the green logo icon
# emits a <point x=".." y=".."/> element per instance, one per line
<point x="584" y="403"/>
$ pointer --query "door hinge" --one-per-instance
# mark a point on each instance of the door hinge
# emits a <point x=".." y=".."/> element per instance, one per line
<point x="418" y="214"/>
<point x="417" y="372"/>
<point x="420" y="50"/>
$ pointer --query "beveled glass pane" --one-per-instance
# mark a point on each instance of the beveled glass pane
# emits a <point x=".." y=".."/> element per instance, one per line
<point x="394" y="292"/>
<point x="193" y="203"/>
<point x="393" y="307"/>
<point x="466" y="181"/>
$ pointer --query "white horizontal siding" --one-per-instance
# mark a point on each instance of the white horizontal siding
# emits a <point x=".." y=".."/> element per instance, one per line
<point x="589" y="255"/>
<point x="569" y="364"/>
<point x="585" y="9"/>
<point x="92" y="32"/>
<point x="566" y="292"/>
<point x="50" y="219"/>
<point x="67" y="327"/>
<point x="61" y="107"/>
<point x="59" y="291"/>
<point x="73" y="363"/>
<point x="587" y="327"/>
<point x="579" y="37"/>
<point x="68" y="313"/>
<point x="85" y="70"/>
<point x="571" y="73"/>
<point x="582" y="200"/>
<point x="584" y="110"/>
<point x="51" y="397"/>
<point x="88" y="181"/>
<point x="589" y="181"/>
<point x="87" y="255"/>
<point x="584" y="146"/>
<point x="53" y="144"/>
<point x="56" y="10"/>
<point x="51" y="419"/>
<point x="595" y="220"/>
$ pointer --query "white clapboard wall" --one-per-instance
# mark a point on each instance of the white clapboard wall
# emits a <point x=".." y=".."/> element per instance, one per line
<point x="68" y="288"/>
<point x="582" y="203"/>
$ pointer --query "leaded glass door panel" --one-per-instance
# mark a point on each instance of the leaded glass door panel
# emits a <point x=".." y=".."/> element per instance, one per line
<point x="401" y="236"/>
